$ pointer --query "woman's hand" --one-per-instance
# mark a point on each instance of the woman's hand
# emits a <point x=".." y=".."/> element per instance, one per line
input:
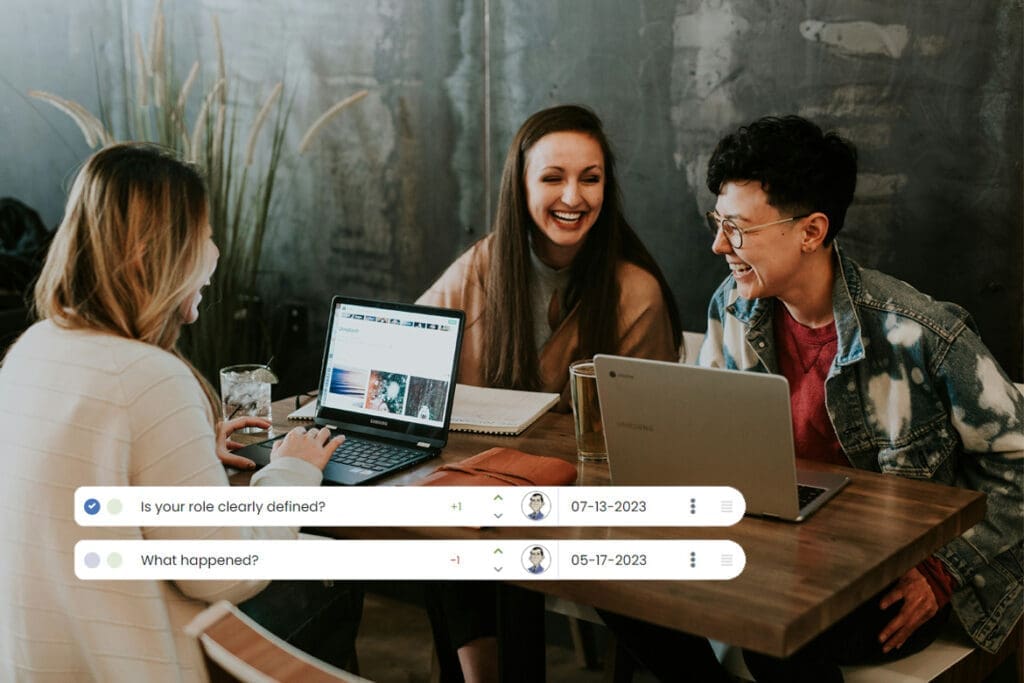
<point x="225" y="445"/>
<point x="315" y="446"/>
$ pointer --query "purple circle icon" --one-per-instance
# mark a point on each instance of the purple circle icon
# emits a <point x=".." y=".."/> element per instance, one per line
<point x="92" y="560"/>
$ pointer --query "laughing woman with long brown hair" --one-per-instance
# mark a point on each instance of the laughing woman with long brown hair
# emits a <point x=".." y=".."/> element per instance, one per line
<point x="562" y="276"/>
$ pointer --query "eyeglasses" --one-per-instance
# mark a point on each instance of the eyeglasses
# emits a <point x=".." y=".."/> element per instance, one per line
<point x="735" y="233"/>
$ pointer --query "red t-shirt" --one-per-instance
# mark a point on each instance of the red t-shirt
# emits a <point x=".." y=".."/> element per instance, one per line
<point x="805" y="356"/>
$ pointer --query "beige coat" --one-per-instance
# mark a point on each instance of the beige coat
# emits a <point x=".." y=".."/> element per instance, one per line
<point x="645" y="330"/>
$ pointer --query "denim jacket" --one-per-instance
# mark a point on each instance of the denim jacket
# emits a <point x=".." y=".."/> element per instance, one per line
<point x="913" y="392"/>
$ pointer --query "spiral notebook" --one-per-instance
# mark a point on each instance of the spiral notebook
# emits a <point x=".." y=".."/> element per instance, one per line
<point x="482" y="410"/>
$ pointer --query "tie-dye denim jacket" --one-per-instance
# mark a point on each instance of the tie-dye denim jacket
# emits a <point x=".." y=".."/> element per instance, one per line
<point x="914" y="392"/>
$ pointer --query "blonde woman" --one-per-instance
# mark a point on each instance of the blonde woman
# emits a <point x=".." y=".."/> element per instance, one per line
<point x="95" y="393"/>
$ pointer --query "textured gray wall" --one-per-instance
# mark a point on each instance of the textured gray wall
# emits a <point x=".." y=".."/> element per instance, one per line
<point x="930" y="92"/>
<point x="46" y="45"/>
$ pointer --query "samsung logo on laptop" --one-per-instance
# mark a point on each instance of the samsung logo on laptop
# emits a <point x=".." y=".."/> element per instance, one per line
<point x="638" y="426"/>
<point x="381" y="423"/>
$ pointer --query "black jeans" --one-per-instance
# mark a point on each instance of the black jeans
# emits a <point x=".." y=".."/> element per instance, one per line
<point x="460" y="612"/>
<point x="670" y="655"/>
<point x="320" y="618"/>
<point x="676" y="656"/>
<point x="851" y="640"/>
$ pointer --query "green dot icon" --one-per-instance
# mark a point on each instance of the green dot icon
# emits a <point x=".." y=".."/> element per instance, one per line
<point x="114" y="506"/>
<point x="114" y="560"/>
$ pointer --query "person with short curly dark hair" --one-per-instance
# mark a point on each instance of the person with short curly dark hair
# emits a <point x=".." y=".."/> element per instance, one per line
<point x="800" y="168"/>
<point x="881" y="377"/>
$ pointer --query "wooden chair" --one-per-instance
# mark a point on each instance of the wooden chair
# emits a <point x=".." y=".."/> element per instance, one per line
<point x="582" y="619"/>
<point x="617" y="664"/>
<point x="236" y="648"/>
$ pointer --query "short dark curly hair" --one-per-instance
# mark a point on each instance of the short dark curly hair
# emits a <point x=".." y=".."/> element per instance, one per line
<point x="800" y="167"/>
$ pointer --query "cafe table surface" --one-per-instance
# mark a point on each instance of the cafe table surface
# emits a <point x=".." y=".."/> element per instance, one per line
<point x="799" y="577"/>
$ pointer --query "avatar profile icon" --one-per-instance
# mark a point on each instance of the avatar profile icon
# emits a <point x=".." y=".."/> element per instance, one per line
<point x="536" y="506"/>
<point x="536" y="559"/>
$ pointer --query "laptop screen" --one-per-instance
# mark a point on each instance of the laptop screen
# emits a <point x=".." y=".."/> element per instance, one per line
<point x="390" y="367"/>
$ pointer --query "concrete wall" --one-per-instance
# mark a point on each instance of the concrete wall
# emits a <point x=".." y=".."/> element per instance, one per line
<point x="398" y="186"/>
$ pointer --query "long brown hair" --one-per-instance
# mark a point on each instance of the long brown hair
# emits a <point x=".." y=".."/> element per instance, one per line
<point x="510" y="357"/>
<point x="129" y="250"/>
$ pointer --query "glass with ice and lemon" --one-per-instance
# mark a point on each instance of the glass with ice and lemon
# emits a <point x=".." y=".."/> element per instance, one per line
<point x="245" y="390"/>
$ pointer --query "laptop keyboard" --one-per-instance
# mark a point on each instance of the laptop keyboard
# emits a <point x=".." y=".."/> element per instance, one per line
<point x="806" y="494"/>
<point x="374" y="455"/>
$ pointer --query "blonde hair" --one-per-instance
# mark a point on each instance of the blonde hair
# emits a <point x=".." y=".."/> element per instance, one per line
<point x="129" y="250"/>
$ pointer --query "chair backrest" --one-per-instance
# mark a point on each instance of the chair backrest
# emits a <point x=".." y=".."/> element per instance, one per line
<point x="691" y="347"/>
<point x="236" y="648"/>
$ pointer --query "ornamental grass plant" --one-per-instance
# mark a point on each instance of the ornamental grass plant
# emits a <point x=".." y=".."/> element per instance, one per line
<point x="240" y="165"/>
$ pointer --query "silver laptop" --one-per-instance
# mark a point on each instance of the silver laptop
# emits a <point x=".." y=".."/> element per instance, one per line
<point x="673" y="424"/>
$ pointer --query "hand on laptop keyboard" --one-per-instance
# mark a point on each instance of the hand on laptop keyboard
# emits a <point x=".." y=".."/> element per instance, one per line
<point x="315" y="446"/>
<point x="225" y="444"/>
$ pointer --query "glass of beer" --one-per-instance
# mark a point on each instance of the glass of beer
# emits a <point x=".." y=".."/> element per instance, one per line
<point x="586" y="412"/>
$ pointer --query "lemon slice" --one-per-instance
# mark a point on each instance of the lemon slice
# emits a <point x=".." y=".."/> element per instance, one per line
<point x="264" y="375"/>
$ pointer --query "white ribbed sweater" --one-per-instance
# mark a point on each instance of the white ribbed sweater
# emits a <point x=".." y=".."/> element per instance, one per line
<point x="82" y="408"/>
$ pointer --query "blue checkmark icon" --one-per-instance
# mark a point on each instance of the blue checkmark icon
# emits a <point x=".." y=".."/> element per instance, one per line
<point x="92" y="506"/>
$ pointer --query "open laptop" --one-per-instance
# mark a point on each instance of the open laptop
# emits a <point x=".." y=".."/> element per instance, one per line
<point x="673" y="424"/>
<point x="387" y="383"/>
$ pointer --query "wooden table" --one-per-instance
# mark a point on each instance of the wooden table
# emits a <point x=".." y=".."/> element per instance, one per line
<point x="799" y="578"/>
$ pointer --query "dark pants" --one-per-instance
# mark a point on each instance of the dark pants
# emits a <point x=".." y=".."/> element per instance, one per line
<point x="460" y="612"/>
<point x="668" y="654"/>
<point x="852" y="640"/>
<point x="676" y="656"/>
<point x="320" y="618"/>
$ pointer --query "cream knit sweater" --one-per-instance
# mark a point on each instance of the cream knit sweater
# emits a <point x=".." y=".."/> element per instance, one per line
<point x="82" y="408"/>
